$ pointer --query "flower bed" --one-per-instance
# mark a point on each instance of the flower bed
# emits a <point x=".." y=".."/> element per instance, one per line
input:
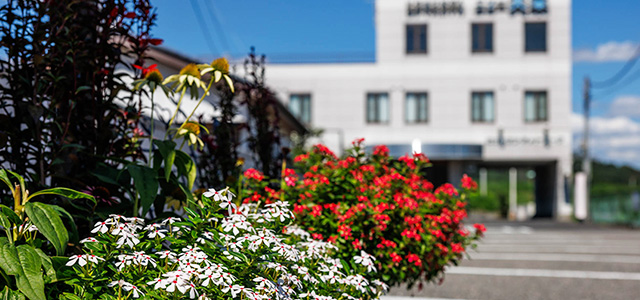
<point x="375" y="204"/>
<point x="251" y="253"/>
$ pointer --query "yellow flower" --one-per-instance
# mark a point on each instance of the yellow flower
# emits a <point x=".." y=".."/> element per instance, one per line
<point x="220" y="69"/>
<point x="151" y="77"/>
<point x="190" y="131"/>
<point x="189" y="77"/>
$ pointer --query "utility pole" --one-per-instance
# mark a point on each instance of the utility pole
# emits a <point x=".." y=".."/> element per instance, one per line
<point x="586" y="159"/>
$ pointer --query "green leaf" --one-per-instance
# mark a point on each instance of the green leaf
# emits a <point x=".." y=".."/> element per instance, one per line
<point x="20" y="179"/>
<point x="49" y="224"/>
<point x="4" y="176"/>
<point x="187" y="167"/>
<point x="146" y="183"/>
<point x="49" y="271"/>
<point x="13" y="217"/>
<point x="24" y="263"/>
<point x="70" y="296"/>
<point x="6" y="225"/>
<point x="65" y="192"/>
<point x="168" y="152"/>
<point x="8" y="294"/>
<point x="82" y="88"/>
<point x="74" y="237"/>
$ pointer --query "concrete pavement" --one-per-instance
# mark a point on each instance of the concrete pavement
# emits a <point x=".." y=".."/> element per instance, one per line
<point x="543" y="260"/>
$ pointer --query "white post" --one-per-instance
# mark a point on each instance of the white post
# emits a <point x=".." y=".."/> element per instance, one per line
<point x="483" y="181"/>
<point x="513" y="193"/>
<point x="580" y="196"/>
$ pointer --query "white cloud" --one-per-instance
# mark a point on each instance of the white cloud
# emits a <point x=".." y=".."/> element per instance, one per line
<point x="611" y="139"/>
<point x="610" y="51"/>
<point x="628" y="106"/>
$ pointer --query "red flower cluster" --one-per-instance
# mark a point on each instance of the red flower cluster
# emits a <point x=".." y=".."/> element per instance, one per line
<point x="253" y="174"/>
<point x="468" y="183"/>
<point x="382" y="206"/>
<point x="376" y="204"/>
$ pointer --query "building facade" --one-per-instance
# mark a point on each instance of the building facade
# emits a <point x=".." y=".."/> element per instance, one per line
<point x="472" y="84"/>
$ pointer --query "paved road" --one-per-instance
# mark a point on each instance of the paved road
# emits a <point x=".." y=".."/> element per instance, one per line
<point x="544" y="260"/>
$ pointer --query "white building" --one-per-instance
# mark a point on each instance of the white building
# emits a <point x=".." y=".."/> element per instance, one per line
<point x="469" y="83"/>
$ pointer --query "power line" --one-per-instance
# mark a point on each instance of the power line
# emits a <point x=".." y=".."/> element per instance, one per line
<point x="217" y="25"/>
<point x="620" y="74"/>
<point x="630" y="79"/>
<point x="205" y="30"/>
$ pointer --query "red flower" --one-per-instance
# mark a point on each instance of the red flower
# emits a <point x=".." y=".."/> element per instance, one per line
<point x="448" y="189"/>
<point x="344" y="231"/>
<point x="479" y="228"/>
<point x="395" y="257"/>
<point x="468" y="183"/>
<point x="253" y="174"/>
<point x="412" y="258"/>
<point x="411" y="163"/>
<point x="457" y="248"/>
<point x="301" y="157"/>
<point x="381" y="150"/>
<point x="357" y="244"/>
<point x="358" y="142"/>
<point x="147" y="70"/>
<point x="316" y="211"/>
<point x="317" y="236"/>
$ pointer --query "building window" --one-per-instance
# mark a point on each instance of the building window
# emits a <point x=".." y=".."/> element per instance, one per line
<point x="482" y="37"/>
<point x="300" y="107"/>
<point x="416" y="108"/>
<point x="535" y="35"/>
<point x="416" y="39"/>
<point x="535" y="106"/>
<point x="482" y="107"/>
<point x="377" y="108"/>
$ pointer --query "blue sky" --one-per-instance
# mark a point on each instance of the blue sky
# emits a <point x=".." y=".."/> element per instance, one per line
<point x="604" y="36"/>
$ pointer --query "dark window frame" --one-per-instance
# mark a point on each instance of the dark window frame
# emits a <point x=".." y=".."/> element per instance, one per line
<point x="482" y="120"/>
<point x="537" y="118"/>
<point x="416" y="46"/>
<point x="301" y="96"/>
<point x="419" y="121"/>
<point x="378" y="118"/>
<point x="546" y="39"/>
<point x="483" y="25"/>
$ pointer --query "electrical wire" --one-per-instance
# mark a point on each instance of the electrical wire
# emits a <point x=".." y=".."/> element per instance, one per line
<point x="603" y="84"/>
<point x="630" y="79"/>
<point x="217" y="25"/>
<point x="205" y="30"/>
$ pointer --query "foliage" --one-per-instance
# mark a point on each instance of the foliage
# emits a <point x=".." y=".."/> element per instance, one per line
<point x="378" y="205"/>
<point x="64" y="111"/>
<point x="25" y="263"/>
<point x="212" y="256"/>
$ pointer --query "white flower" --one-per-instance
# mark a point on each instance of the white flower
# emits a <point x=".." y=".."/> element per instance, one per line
<point x="79" y="259"/>
<point x="89" y="240"/>
<point x="136" y="292"/>
<point x="170" y="220"/>
<point x="94" y="259"/>
<point x="366" y="260"/>
<point x="101" y="227"/>
<point x="156" y="232"/>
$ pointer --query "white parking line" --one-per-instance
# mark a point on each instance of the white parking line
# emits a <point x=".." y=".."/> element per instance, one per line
<point x="556" y="257"/>
<point x="543" y="273"/>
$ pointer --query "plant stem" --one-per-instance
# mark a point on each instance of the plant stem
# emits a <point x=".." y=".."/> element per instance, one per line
<point x="152" y="122"/>
<point x="175" y="113"/>
<point x="200" y="101"/>
<point x="136" y="201"/>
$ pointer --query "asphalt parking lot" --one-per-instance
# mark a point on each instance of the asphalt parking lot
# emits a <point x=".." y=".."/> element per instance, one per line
<point x="543" y="260"/>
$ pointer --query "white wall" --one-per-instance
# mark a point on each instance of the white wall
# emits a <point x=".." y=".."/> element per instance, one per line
<point x="449" y="72"/>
